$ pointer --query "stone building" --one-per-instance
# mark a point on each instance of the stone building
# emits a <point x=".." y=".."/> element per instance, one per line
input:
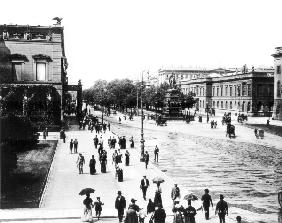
<point x="277" y="111"/>
<point x="34" y="56"/>
<point x="229" y="90"/>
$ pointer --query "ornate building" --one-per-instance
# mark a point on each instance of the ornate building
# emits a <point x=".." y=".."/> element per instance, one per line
<point x="277" y="111"/>
<point x="34" y="57"/>
<point x="229" y="90"/>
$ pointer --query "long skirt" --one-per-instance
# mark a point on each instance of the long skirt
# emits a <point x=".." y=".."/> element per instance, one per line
<point x="103" y="167"/>
<point x="158" y="199"/>
<point x="92" y="169"/>
<point x="127" y="160"/>
<point x="87" y="215"/>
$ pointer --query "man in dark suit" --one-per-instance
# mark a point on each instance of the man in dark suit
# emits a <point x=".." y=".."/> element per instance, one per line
<point x="146" y="158"/>
<point x="144" y="186"/>
<point x="120" y="205"/>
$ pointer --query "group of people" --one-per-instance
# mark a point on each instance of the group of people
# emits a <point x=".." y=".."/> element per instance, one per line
<point x="88" y="205"/>
<point x="213" y="124"/>
<point x="73" y="145"/>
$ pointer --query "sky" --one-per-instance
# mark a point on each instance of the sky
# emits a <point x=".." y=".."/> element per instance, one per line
<point x="110" y="39"/>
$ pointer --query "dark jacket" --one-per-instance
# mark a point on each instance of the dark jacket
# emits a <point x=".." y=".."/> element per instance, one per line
<point x="120" y="204"/>
<point x="160" y="215"/>
<point x="143" y="183"/>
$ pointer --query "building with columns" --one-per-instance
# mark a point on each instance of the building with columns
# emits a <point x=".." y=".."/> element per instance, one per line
<point x="277" y="111"/>
<point x="229" y="90"/>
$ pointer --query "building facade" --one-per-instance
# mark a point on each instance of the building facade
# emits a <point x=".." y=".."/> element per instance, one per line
<point x="33" y="56"/>
<point x="277" y="111"/>
<point x="243" y="91"/>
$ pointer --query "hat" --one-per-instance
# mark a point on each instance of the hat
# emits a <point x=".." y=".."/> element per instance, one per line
<point x="221" y="196"/>
<point x="207" y="190"/>
<point x="175" y="184"/>
<point x="119" y="192"/>
<point x="98" y="197"/>
<point x="144" y="176"/>
<point x="133" y="200"/>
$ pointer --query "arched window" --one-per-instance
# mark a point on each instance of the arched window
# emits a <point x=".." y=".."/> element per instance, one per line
<point x="217" y="104"/>
<point x="238" y="107"/>
<point x="213" y="104"/>
<point x="230" y="105"/>
<point x="243" y="106"/>
<point x="221" y="104"/>
<point x="278" y="89"/>
<point x="226" y="105"/>
<point x="200" y="103"/>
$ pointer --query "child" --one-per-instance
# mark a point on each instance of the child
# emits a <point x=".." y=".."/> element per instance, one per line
<point x="98" y="207"/>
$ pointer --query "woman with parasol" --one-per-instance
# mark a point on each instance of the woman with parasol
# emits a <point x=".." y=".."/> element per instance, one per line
<point x="88" y="202"/>
<point x="158" y="193"/>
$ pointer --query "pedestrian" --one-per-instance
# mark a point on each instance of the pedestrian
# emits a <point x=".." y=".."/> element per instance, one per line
<point x="189" y="213"/>
<point x="267" y="122"/>
<point x="131" y="142"/>
<point x="158" y="195"/>
<point x="44" y="134"/>
<point x="103" y="162"/>
<point x="142" y="215"/>
<point x="146" y="159"/>
<point x="98" y="207"/>
<point x="120" y="205"/>
<point x="109" y="126"/>
<point x="239" y="219"/>
<point x="127" y="155"/>
<point x="159" y="215"/>
<point x="63" y="135"/>
<point x="100" y="149"/>
<point x="75" y="145"/>
<point x="131" y="215"/>
<point x="256" y="132"/>
<point x="114" y="141"/>
<point x="175" y="193"/>
<point x="119" y="120"/>
<point x="71" y="146"/>
<point x="144" y="186"/>
<point x="178" y="217"/>
<point x="221" y="209"/>
<point x="87" y="214"/>
<point x="92" y="164"/>
<point x="80" y="162"/>
<point x="150" y="207"/>
<point x="207" y="201"/>
<point x="96" y="140"/>
<point x="133" y="205"/>
<point x="156" y="152"/>
<point x="46" y="131"/>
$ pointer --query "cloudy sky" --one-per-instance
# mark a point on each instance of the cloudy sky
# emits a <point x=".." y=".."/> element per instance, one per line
<point x="119" y="38"/>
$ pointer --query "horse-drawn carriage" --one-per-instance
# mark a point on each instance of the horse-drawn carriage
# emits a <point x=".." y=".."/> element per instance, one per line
<point x="226" y="119"/>
<point x="230" y="130"/>
<point x="241" y="118"/>
<point x="161" y="121"/>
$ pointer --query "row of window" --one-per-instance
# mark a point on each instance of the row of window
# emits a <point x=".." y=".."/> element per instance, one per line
<point x="232" y="90"/>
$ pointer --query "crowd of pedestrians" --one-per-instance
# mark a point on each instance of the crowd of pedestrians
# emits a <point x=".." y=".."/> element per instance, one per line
<point x="134" y="214"/>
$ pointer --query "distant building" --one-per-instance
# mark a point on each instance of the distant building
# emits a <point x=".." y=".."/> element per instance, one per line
<point x="34" y="56"/>
<point x="228" y="90"/>
<point x="277" y="111"/>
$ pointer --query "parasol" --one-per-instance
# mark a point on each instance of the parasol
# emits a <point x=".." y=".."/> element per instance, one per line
<point x="190" y="197"/>
<point x="158" y="180"/>
<point x="86" y="191"/>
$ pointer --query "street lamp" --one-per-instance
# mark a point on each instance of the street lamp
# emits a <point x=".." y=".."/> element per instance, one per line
<point x="142" y="141"/>
<point x="207" y="109"/>
<point x="24" y="105"/>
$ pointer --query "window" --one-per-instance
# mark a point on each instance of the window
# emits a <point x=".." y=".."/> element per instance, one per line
<point x="238" y="90"/>
<point x="217" y="91"/>
<point x="249" y="106"/>
<point x="230" y="90"/>
<point x="213" y="104"/>
<point x="217" y="104"/>
<point x="249" y="90"/>
<point x="278" y="69"/>
<point x="213" y="89"/>
<point x="230" y="104"/>
<point x="244" y="89"/>
<point x="221" y="104"/>
<point x="278" y="89"/>
<point x="235" y="92"/>
<point x="221" y="90"/>
<point x="17" y="71"/>
<point x="226" y="105"/>
<point x="226" y="90"/>
<point x="40" y="71"/>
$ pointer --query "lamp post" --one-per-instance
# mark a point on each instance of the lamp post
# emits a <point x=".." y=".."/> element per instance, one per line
<point x="207" y="109"/>
<point x="142" y="141"/>
<point x="24" y="105"/>
<point x="1" y="105"/>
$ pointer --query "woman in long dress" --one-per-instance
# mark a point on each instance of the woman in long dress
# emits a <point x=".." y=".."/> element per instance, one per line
<point x="103" y="163"/>
<point x="87" y="212"/>
<point x="127" y="155"/>
<point x="158" y="195"/>
<point x="92" y="164"/>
